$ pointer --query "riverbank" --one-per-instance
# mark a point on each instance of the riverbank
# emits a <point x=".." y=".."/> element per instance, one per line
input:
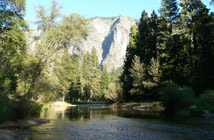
<point x="141" y="106"/>
<point x="202" y="111"/>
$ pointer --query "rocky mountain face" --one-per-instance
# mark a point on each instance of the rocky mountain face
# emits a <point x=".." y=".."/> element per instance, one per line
<point x="110" y="37"/>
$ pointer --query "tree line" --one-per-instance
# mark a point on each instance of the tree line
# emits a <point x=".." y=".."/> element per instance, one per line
<point x="84" y="81"/>
<point x="176" y="46"/>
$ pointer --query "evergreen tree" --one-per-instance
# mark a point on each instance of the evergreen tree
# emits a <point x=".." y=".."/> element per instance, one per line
<point x="86" y="76"/>
<point x="147" y="39"/>
<point x="95" y="73"/>
<point x="63" y="71"/>
<point x="194" y="20"/>
<point x="91" y="75"/>
<point x="131" y="51"/>
<point x="75" y="91"/>
<point x="143" y="43"/>
<point x="104" y="81"/>
<point x="137" y="72"/>
<point x="168" y="23"/>
<point x="154" y="74"/>
<point x="114" y="77"/>
<point x="12" y="43"/>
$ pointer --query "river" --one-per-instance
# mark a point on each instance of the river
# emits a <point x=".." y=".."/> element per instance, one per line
<point x="103" y="123"/>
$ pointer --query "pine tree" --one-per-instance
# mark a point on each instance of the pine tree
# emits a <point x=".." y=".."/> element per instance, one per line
<point x="86" y="75"/>
<point x="95" y="72"/>
<point x="137" y="72"/>
<point x="104" y="81"/>
<point x="91" y="75"/>
<point x="154" y="74"/>
<point x="75" y="91"/>
<point x="168" y="23"/>
<point x="130" y="52"/>
<point x="147" y="37"/>
<point x="194" y="20"/>
<point x="64" y="73"/>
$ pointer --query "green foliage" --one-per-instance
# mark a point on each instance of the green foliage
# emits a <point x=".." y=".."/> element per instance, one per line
<point x="201" y="109"/>
<point x="138" y="74"/>
<point x="64" y="70"/>
<point x="55" y="37"/>
<point x="176" y="46"/>
<point x="12" y="109"/>
<point x="207" y="97"/>
<point x="175" y="98"/>
<point x="105" y="80"/>
<point x="91" y="75"/>
<point x="114" y="92"/>
<point x="196" y="111"/>
<point x="6" y="108"/>
<point x="12" y="38"/>
<point x="25" y="109"/>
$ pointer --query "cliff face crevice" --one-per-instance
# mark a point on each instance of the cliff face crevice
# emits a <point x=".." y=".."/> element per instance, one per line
<point x="106" y="45"/>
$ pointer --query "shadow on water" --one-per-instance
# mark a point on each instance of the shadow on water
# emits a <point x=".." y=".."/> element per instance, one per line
<point x="95" y="122"/>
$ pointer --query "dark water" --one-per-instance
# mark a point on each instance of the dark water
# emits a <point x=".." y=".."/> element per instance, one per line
<point x="102" y="123"/>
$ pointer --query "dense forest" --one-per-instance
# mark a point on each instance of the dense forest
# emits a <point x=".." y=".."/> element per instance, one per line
<point x="175" y="51"/>
<point x="170" y="56"/>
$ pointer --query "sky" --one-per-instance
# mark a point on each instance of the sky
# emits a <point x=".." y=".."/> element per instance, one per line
<point x="103" y="8"/>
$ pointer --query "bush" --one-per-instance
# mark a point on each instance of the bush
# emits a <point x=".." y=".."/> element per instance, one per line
<point x="6" y="111"/>
<point x="25" y="109"/>
<point x="196" y="111"/>
<point x="17" y="109"/>
<point x="175" y="98"/>
<point x="207" y="98"/>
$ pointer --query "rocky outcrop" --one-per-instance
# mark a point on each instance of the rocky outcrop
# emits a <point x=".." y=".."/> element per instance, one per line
<point x="110" y="37"/>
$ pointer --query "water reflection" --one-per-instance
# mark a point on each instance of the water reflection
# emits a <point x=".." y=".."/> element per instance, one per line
<point x="90" y="113"/>
<point x="95" y="123"/>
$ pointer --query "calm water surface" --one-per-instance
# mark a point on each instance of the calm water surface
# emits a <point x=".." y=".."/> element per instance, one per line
<point x="102" y="123"/>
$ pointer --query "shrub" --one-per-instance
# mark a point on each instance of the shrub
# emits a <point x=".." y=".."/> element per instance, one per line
<point x="6" y="111"/>
<point x="25" y="109"/>
<point x="175" y="98"/>
<point x="196" y="111"/>
<point x="207" y="98"/>
<point x="17" y="109"/>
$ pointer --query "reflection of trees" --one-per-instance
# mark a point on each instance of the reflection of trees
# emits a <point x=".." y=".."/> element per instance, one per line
<point x="82" y="113"/>
<point x="88" y="113"/>
<point x="54" y="113"/>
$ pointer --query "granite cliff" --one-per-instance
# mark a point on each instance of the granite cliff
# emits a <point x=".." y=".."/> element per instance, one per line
<point x="110" y="37"/>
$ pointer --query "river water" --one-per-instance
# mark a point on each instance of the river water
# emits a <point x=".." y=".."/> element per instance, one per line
<point x="102" y="123"/>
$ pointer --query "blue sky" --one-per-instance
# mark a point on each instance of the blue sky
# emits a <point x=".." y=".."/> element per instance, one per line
<point x="104" y="8"/>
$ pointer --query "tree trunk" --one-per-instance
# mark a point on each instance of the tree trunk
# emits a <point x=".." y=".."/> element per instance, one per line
<point x="63" y="97"/>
